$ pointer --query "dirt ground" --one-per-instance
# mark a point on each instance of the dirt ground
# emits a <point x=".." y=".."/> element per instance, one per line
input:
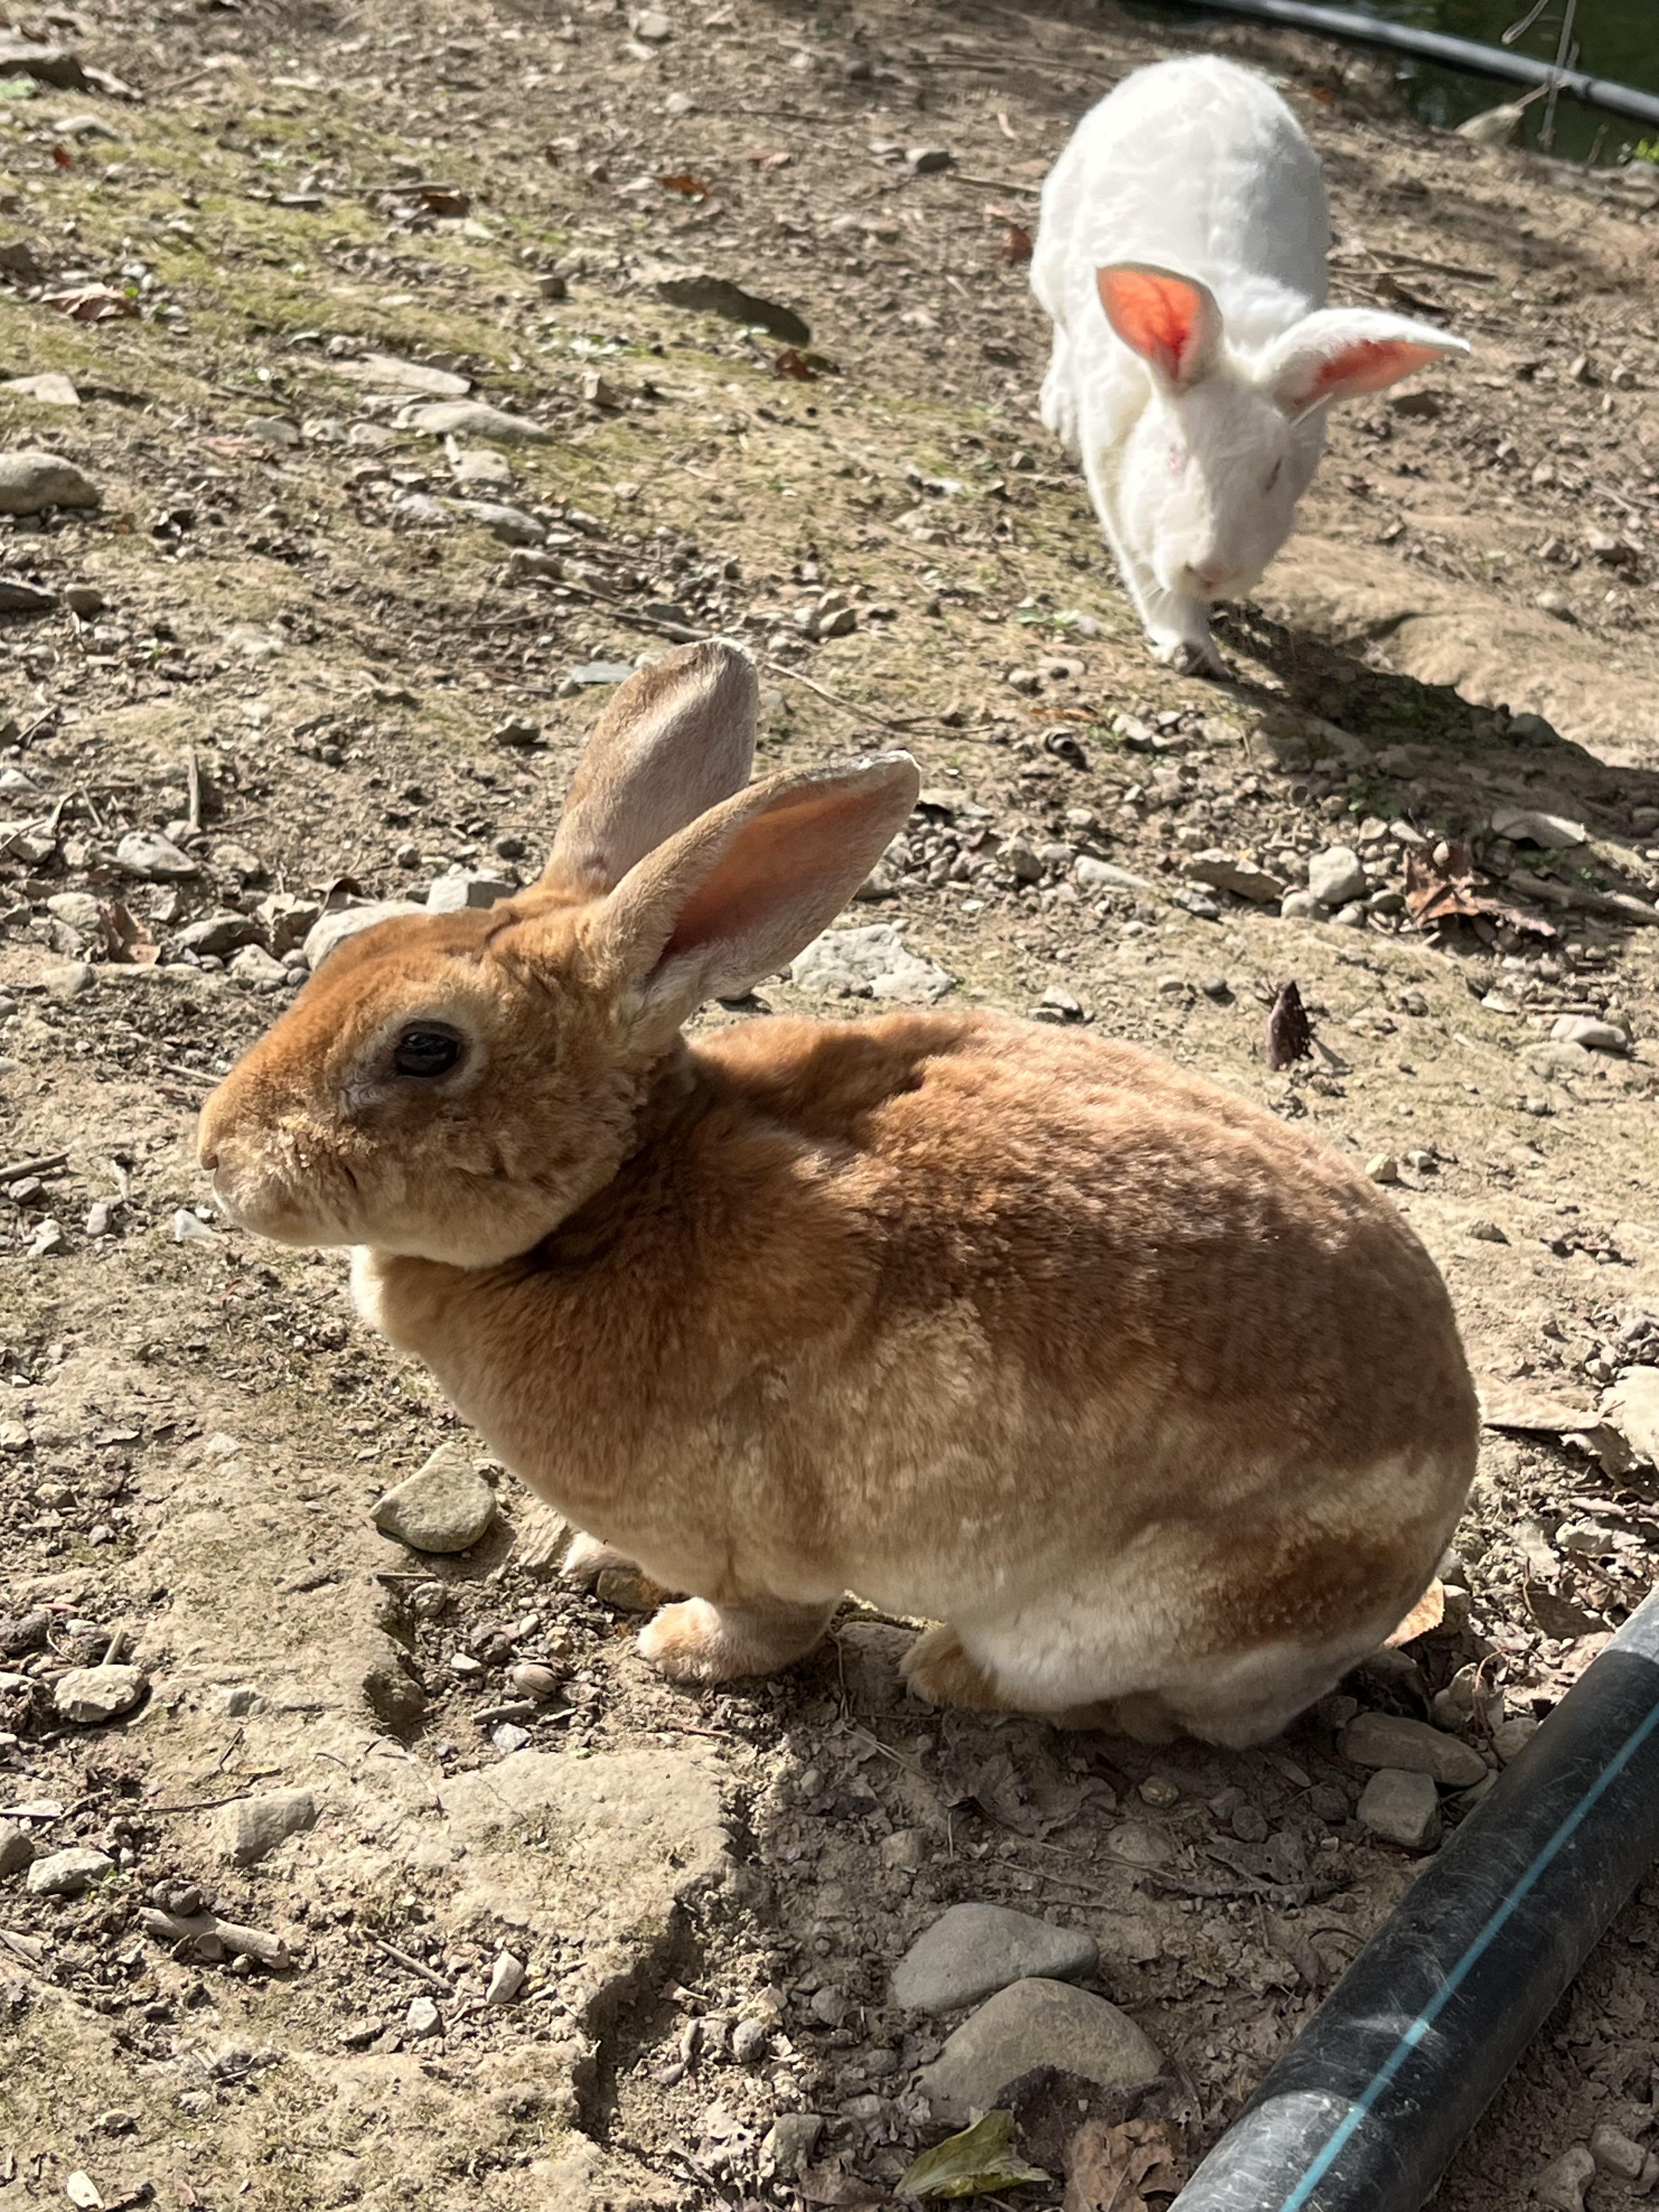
<point x="287" y="639"/>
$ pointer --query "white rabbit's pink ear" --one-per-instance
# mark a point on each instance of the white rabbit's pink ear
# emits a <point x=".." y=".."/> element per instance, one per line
<point x="1171" y="321"/>
<point x="742" y="891"/>
<point x="1342" y="351"/>
<point x="677" y="737"/>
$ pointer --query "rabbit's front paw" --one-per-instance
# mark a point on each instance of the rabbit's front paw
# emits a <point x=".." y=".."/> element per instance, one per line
<point x="697" y="1641"/>
<point x="1188" y="656"/>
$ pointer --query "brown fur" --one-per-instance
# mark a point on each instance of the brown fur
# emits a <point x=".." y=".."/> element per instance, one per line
<point x="1157" y="1403"/>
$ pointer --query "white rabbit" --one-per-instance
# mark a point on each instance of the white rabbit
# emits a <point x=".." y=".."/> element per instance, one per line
<point x="1181" y="252"/>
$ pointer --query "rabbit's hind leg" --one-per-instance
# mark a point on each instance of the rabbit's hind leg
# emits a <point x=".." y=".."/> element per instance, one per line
<point x="937" y="1670"/>
<point x="696" y="1642"/>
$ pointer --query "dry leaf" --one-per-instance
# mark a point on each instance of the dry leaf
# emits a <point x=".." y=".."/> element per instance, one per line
<point x="981" y="2158"/>
<point x="444" y="200"/>
<point x="1455" y="892"/>
<point x="1118" y="2169"/>
<point x="1289" y="1033"/>
<point x="778" y="158"/>
<point x="1016" y="243"/>
<point x="63" y="156"/>
<point x="1428" y="1613"/>
<point x="792" y="363"/>
<point x="123" y="936"/>
<point x="92" y="303"/>
<point x="688" y="186"/>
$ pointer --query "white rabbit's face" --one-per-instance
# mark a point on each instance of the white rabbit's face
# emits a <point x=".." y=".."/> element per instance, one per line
<point x="1208" y="486"/>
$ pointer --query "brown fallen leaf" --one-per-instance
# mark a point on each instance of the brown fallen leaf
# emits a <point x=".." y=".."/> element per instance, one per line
<point x="777" y="157"/>
<point x="444" y="200"/>
<point x="1428" y="1613"/>
<point x="92" y="303"/>
<point x="124" y="940"/>
<point x="1289" y="1033"/>
<point x="62" y="157"/>
<point x="688" y="186"/>
<point x="1456" y="891"/>
<point x="1016" y="243"/>
<point x="1118" y="2169"/>
<point x="792" y="363"/>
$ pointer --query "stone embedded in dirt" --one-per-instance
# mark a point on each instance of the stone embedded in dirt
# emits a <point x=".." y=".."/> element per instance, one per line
<point x="476" y="418"/>
<point x="653" y="25"/>
<point x="1335" y="876"/>
<point x="704" y="293"/>
<point x="16" y="1848"/>
<point x="252" y="1830"/>
<point x="928" y="161"/>
<point x="90" y="1696"/>
<point x="1137" y="1843"/>
<point x="510" y="524"/>
<point x="971" y="1951"/>
<point x="189" y="1228"/>
<point x="790" y="2142"/>
<point x="219" y="933"/>
<point x="1487" y="1231"/>
<point x="1036" y="2023"/>
<point x="1300" y="906"/>
<point x="871" y="963"/>
<point x="386" y="372"/>
<point x="506" y="1978"/>
<point x="1401" y="1807"/>
<point x="1222" y="873"/>
<point x="70" y="979"/>
<point x="152" y="858"/>
<point x="1616" y="2154"/>
<point x="455" y="894"/>
<point x="1383" y="1168"/>
<point x="1594" y="1035"/>
<point x="1510" y="1738"/>
<point x="1634" y="1406"/>
<point x="1093" y="875"/>
<point x="752" y="2039"/>
<point x="446" y="1507"/>
<point x="66" y="1873"/>
<point x="18" y="597"/>
<point x="53" y="66"/>
<point x="254" y="966"/>
<point x="326" y="935"/>
<point x="32" y="481"/>
<point x="1560" y="2187"/>
<point x="1390" y="1740"/>
<point x="422" y="2017"/>
<point x="1523" y="825"/>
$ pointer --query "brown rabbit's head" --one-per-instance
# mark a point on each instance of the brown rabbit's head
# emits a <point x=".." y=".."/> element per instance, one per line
<point x="455" y="1086"/>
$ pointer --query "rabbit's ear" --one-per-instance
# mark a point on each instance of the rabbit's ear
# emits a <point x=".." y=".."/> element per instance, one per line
<point x="742" y="891"/>
<point x="1171" y="321"/>
<point x="1342" y="351"/>
<point x="677" y="737"/>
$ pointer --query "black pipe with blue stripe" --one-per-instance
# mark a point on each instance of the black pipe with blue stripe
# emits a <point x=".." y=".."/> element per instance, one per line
<point x="1364" y="2111"/>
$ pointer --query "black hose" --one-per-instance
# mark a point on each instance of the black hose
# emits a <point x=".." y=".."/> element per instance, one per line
<point x="1364" y="2110"/>
<point x="1436" y="46"/>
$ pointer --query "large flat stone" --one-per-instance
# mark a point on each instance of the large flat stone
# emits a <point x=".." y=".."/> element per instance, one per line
<point x="973" y="1950"/>
<point x="1036" y="2023"/>
<point x="1378" y="1740"/>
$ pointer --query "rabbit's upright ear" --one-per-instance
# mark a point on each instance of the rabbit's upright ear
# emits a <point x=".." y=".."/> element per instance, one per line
<point x="1171" y="321"/>
<point x="739" y="892"/>
<point x="1340" y="352"/>
<point x="677" y="737"/>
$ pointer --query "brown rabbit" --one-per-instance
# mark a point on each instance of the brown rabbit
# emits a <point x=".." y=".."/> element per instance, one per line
<point x="1158" y="1405"/>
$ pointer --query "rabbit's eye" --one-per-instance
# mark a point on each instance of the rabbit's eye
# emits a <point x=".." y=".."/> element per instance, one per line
<point x="426" y="1052"/>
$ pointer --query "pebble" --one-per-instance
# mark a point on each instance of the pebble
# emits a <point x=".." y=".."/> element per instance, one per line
<point x="332" y="931"/>
<point x="531" y="1679"/>
<point x="252" y="1830"/>
<point x="153" y="859"/>
<point x="32" y="481"/>
<point x="18" y="597"/>
<point x="1036" y="2023"/>
<point x="454" y="893"/>
<point x="506" y="1978"/>
<point x="1615" y="2153"/>
<point x="189" y="1228"/>
<point x="750" y="2041"/>
<point x="791" y="2140"/>
<point x="16" y="1848"/>
<point x="1520" y="825"/>
<point x="72" y="980"/>
<point x="254" y="966"/>
<point x="1486" y="1232"/>
<point x="1382" y="1740"/>
<point x="1384" y="1168"/>
<point x="90" y="1696"/>
<point x="50" y="390"/>
<point x="653" y="27"/>
<point x="1222" y="873"/>
<point x="446" y="1506"/>
<point x="1512" y="1736"/>
<point x="1401" y="1807"/>
<point x="475" y="418"/>
<point x="1300" y="906"/>
<point x="1560" y="2187"/>
<point x="510" y="524"/>
<point x="1594" y="1035"/>
<point x="1335" y="876"/>
<point x="66" y="1873"/>
<point x="971" y="1951"/>
<point x="1093" y="875"/>
<point x="218" y="934"/>
<point x="422" y="2017"/>
<point x="48" y="1238"/>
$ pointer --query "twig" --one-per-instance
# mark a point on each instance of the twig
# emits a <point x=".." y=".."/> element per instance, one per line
<point x="193" y="774"/>
<point x="990" y="184"/>
<point x="46" y="1161"/>
<point x="209" y="1804"/>
<point x="860" y="713"/>
<point x="422" y="1972"/>
<point x="209" y="1937"/>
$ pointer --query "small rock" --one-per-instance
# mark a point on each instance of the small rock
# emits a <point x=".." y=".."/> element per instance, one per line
<point x="1245" y="880"/>
<point x="1384" y="1168"/>
<point x="1036" y="2023"/>
<point x="90" y="1696"/>
<point x="455" y="894"/>
<point x="791" y="2140"/>
<point x="1402" y="1808"/>
<point x="531" y="1679"/>
<point x="1057" y="1004"/>
<point x="332" y="931"/>
<point x="386" y="372"/>
<point x="50" y="390"/>
<point x="1300" y="906"/>
<point x="1594" y="1035"/>
<point x="928" y="160"/>
<point x="189" y="1228"/>
<point x="906" y="1849"/>
<point x="474" y="418"/>
<point x="508" y="1736"/>
<point x="1560" y="2187"/>
<point x="510" y="524"/>
<point x="446" y="1507"/>
<point x="752" y="2039"/>
<point x="32" y="481"/>
<point x="84" y="599"/>
<point x="218" y="934"/>
<point x="1335" y="876"/>
<point x="72" y="979"/>
<point x="1390" y="1740"/>
<point x="20" y="597"/>
<point x="253" y="966"/>
<point x="418" y="510"/>
<point x="1522" y="826"/>
<point x="252" y="1830"/>
<point x="422" y="2017"/>
<point x="16" y="1848"/>
<point x="653" y="27"/>
<point x="1486" y="1232"/>
<point x="971" y="1951"/>
<point x="871" y="963"/>
<point x="1094" y="875"/>
<point x="1512" y="1738"/>
<point x="153" y="859"/>
<point x="66" y="1873"/>
<point x="506" y="1978"/>
<point x="1616" y="2154"/>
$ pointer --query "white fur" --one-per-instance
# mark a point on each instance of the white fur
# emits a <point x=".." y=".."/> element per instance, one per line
<point x="1197" y="168"/>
